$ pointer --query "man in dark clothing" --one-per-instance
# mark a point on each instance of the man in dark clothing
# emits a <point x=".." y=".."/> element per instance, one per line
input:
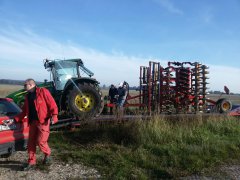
<point x="40" y="108"/>
<point x="112" y="96"/>
<point x="32" y="109"/>
<point x="122" y="95"/>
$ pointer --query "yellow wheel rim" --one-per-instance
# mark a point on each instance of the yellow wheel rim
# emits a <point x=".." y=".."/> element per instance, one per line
<point x="84" y="102"/>
<point x="226" y="106"/>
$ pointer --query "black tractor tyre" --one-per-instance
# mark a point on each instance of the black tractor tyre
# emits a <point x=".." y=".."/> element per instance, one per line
<point x="85" y="101"/>
<point x="223" y="105"/>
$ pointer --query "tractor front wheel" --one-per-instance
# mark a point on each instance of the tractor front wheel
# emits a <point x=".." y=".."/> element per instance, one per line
<point x="84" y="101"/>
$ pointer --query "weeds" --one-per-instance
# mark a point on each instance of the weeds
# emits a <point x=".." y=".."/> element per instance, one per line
<point x="159" y="148"/>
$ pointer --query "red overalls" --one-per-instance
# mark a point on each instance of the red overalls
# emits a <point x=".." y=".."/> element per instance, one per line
<point x="39" y="129"/>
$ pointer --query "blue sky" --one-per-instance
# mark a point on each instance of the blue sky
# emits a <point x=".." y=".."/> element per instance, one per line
<point x="115" y="37"/>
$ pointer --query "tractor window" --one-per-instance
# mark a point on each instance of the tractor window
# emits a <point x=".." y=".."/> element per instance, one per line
<point x="63" y="72"/>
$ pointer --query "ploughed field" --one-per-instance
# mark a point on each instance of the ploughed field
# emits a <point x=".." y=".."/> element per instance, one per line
<point x="6" y="89"/>
<point x="235" y="99"/>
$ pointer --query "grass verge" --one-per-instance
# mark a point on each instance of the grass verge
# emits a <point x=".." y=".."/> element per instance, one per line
<point x="158" y="148"/>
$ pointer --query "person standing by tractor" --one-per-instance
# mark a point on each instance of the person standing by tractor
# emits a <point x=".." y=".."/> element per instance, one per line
<point x="113" y="91"/>
<point x="40" y="108"/>
<point x="122" y="95"/>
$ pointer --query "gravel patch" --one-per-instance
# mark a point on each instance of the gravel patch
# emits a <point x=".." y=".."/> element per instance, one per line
<point x="10" y="168"/>
<point x="229" y="172"/>
<point x="232" y="172"/>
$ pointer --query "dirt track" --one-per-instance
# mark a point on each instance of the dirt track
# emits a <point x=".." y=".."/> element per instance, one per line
<point x="10" y="169"/>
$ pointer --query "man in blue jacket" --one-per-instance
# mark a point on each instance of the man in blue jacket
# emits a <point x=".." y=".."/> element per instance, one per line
<point x="122" y="95"/>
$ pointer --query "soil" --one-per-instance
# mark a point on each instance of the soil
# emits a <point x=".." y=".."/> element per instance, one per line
<point x="229" y="172"/>
<point x="11" y="169"/>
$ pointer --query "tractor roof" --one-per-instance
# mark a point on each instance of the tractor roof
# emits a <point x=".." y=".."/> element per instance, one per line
<point x="50" y="63"/>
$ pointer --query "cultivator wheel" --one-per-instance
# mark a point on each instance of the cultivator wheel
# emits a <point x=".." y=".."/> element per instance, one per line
<point x="223" y="105"/>
<point x="84" y="101"/>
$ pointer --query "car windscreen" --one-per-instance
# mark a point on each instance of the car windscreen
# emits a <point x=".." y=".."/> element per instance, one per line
<point x="9" y="108"/>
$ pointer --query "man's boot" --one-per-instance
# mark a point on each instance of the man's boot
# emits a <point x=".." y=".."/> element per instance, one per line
<point x="47" y="160"/>
<point x="27" y="167"/>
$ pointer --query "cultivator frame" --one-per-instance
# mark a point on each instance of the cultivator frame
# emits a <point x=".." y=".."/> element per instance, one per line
<point x="181" y="87"/>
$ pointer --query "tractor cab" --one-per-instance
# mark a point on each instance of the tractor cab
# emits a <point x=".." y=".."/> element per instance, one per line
<point x="63" y="71"/>
<point x="76" y="93"/>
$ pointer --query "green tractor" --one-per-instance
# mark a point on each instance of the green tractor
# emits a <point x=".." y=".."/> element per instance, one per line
<point x="76" y="96"/>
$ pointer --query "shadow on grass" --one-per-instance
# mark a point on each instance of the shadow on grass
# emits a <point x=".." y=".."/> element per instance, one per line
<point x="149" y="150"/>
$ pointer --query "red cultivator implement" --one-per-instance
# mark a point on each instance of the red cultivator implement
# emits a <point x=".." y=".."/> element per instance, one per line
<point x="181" y="87"/>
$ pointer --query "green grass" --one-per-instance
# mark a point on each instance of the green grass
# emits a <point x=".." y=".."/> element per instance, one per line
<point x="158" y="148"/>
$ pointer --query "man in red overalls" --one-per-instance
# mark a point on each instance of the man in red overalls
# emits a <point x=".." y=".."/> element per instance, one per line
<point x="40" y="108"/>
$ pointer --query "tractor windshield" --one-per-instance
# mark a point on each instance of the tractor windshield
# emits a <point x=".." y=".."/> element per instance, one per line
<point x="63" y="71"/>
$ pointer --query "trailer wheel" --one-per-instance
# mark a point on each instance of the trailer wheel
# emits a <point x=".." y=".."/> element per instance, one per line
<point x="223" y="105"/>
<point x="84" y="101"/>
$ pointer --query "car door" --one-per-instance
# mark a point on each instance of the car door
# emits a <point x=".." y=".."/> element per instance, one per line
<point x="12" y="137"/>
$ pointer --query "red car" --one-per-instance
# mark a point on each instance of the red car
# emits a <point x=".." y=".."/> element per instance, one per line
<point x="13" y="137"/>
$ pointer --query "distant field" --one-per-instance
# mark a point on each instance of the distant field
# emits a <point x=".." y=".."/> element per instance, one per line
<point x="235" y="99"/>
<point x="6" y="89"/>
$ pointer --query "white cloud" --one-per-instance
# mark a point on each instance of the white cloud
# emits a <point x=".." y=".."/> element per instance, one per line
<point x="22" y="55"/>
<point x="223" y="75"/>
<point x="167" y="4"/>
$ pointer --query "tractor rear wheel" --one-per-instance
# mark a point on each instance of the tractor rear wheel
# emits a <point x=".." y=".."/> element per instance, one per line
<point x="84" y="101"/>
<point x="223" y="105"/>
